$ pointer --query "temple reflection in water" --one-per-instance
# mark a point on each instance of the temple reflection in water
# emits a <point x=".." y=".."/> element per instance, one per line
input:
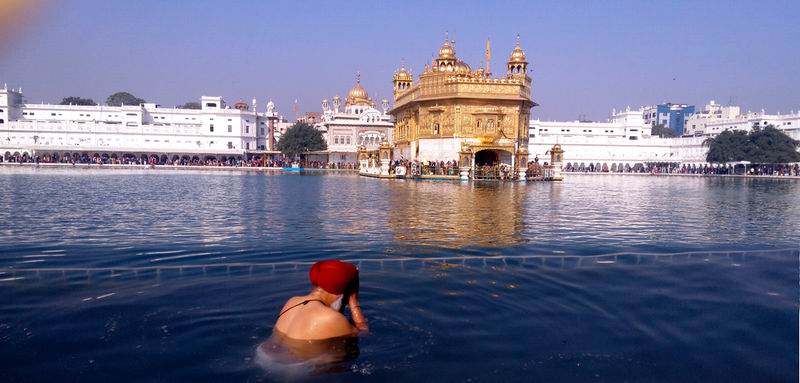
<point x="477" y="216"/>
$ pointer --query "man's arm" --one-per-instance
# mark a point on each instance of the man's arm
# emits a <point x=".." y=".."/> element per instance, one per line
<point x="359" y="320"/>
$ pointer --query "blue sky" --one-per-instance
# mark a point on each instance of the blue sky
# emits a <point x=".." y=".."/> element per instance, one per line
<point x="587" y="57"/>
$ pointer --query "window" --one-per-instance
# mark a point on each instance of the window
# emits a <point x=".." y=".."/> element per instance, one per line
<point x="52" y="114"/>
<point x="246" y="129"/>
<point x="336" y="140"/>
<point x="230" y="129"/>
<point x="348" y="140"/>
<point x="128" y="114"/>
<point x="262" y="131"/>
<point x="211" y="128"/>
<point x="211" y="104"/>
<point x="230" y="145"/>
<point x="230" y="119"/>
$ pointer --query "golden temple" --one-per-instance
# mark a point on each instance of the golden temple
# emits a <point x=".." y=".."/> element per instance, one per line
<point x="454" y="113"/>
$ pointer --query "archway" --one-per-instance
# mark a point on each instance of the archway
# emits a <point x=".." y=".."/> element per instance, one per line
<point x="492" y="157"/>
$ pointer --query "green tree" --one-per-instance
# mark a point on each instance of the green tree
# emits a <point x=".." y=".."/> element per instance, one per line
<point x="190" y="105"/>
<point x="75" y="100"/>
<point x="300" y="139"/>
<point x="120" y="98"/>
<point x="762" y="146"/>
<point x="663" y="131"/>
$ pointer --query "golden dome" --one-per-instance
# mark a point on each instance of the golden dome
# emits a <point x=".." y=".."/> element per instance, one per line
<point x="402" y="74"/>
<point x="517" y="56"/>
<point x="447" y="51"/>
<point x="358" y="95"/>
<point x="462" y="67"/>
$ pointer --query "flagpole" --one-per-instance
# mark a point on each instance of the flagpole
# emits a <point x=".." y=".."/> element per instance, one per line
<point x="488" y="57"/>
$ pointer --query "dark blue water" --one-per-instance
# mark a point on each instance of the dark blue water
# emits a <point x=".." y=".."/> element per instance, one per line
<point x="146" y="275"/>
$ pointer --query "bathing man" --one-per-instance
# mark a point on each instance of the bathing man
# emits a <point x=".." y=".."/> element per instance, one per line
<point x="319" y="314"/>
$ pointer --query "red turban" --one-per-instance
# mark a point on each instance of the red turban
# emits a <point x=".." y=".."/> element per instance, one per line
<point x="334" y="276"/>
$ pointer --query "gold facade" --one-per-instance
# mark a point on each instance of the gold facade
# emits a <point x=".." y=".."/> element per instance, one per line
<point x="451" y="101"/>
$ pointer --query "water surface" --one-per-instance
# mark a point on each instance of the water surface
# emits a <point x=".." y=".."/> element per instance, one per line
<point x="152" y="275"/>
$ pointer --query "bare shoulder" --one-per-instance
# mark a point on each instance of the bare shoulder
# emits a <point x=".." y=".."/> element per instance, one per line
<point x="329" y="323"/>
<point x="293" y="301"/>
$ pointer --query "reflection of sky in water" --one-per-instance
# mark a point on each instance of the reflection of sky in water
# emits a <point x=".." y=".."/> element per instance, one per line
<point x="548" y="318"/>
<point x="138" y="217"/>
<point x="499" y="280"/>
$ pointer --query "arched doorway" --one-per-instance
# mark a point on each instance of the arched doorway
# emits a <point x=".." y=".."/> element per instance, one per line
<point x="487" y="157"/>
<point x="492" y="164"/>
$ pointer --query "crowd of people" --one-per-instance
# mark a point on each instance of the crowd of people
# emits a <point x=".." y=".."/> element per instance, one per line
<point x="331" y="165"/>
<point x="705" y="169"/>
<point x="442" y="168"/>
<point x="86" y="159"/>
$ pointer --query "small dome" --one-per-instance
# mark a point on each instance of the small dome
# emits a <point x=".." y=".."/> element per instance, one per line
<point x="241" y="105"/>
<point x="517" y="56"/>
<point x="358" y="95"/>
<point x="462" y="67"/>
<point x="402" y="74"/>
<point x="447" y="51"/>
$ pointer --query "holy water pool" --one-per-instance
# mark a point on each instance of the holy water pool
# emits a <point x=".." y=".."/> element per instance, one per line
<point x="505" y="281"/>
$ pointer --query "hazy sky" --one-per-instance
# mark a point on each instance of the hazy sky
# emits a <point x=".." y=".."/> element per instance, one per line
<point x="587" y="57"/>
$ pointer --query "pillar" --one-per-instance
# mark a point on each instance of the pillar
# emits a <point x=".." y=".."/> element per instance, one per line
<point x="522" y="163"/>
<point x="465" y="161"/>
<point x="556" y="157"/>
<point x="362" y="158"/>
<point x="385" y="153"/>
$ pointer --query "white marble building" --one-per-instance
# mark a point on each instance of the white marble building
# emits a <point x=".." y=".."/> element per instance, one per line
<point x="715" y="119"/>
<point x="147" y="129"/>
<point x="625" y="139"/>
<point x="359" y="123"/>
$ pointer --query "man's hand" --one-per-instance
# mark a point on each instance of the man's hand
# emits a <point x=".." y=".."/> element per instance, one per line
<point x="359" y="320"/>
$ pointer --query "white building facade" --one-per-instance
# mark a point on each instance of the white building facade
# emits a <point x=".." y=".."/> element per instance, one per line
<point x="622" y="142"/>
<point x="147" y="129"/>
<point x="359" y="123"/>
<point x="715" y="119"/>
<point x="625" y="141"/>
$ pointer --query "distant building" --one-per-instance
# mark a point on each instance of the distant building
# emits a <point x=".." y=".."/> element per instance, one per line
<point x="360" y="123"/>
<point x="715" y="119"/>
<point x="310" y="118"/>
<point x="669" y="115"/>
<point x="145" y="130"/>
<point x="627" y="124"/>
